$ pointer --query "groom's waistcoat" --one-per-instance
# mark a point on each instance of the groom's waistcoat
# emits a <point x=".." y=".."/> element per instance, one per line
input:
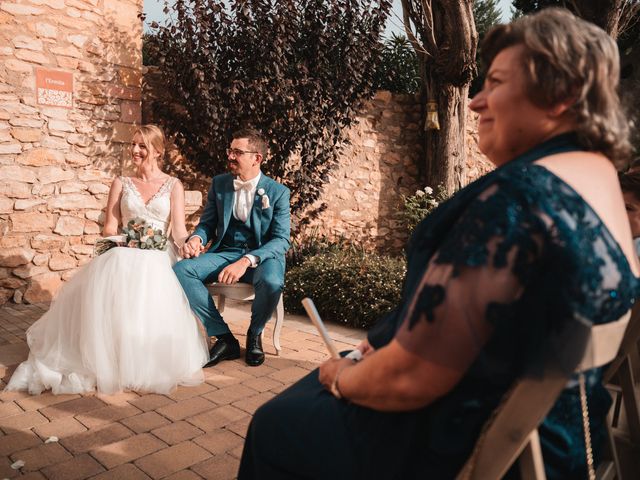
<point x="239" y="234"/>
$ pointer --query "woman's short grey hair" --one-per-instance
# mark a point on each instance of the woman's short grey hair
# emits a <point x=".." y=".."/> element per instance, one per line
<point x="569" y="59"/>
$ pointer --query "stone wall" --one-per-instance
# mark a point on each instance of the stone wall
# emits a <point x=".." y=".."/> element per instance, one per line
<point x="56" y="163"/>
<point x="379" y="167"/>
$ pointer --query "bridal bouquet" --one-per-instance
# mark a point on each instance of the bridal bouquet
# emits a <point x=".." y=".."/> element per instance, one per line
<point x="137" y="234"/>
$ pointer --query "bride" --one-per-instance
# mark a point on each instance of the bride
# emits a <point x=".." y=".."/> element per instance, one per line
<point x="122" y="322"/>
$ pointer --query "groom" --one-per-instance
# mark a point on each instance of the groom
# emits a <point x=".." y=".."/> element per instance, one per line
<point x="247" y="221"/>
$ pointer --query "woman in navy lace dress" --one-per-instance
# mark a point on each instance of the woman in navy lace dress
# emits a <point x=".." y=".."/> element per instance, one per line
<point x="498" y="277"/>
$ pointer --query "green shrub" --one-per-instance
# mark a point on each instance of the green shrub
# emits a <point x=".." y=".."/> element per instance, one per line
<point x="313" y="243"/>
<point x="349" y="287"/>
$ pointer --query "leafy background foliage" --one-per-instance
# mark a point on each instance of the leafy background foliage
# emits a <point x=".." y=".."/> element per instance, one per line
<point x="398" y="67"/>
<point x="298" y="70"/>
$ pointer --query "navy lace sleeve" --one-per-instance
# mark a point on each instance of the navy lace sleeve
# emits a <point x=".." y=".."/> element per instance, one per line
<point x="527" y="264"/>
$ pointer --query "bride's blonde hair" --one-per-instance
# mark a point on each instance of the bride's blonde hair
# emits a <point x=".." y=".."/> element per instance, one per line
<point x="152" y="136"/>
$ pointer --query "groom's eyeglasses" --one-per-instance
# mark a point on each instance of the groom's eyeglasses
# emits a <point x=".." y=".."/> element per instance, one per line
<point x="236" y="152"/>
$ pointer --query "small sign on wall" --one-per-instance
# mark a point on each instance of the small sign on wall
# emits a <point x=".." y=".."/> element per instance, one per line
<point x="54" y="88"/>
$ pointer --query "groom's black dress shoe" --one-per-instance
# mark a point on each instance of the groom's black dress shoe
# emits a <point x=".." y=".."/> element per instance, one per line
<point x="254" y="355"/>
<point x="224" y="349"/>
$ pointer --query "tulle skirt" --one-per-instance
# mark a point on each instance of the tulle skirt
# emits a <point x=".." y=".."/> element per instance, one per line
<point x="121" y="323"/>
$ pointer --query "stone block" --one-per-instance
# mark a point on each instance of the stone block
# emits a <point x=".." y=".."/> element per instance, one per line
<point x="26" y="135"/>
<point x="14" y="257"/>
<point x="66" y="52"/>
<point x="42" y="288"/>
<point x="31" y="222"/>
<point x="68" y="225"/>
<point x="38" y="157"/>
<point x="34" y="57"/>
<point x="5" y="136"/>
<point x="40" y="259"/>
<point x="12" y="283"/>
<point x="82" y="249"/>
<point x="19" y="9"/>
<point x="79" y="140"/>
<point x="55" y="143"/>
<point x="68" y="63"/>
<point x="15" y="189"/>
<point x="98" y="188"/>
<point x="26" y="122"/>
<point x="15" y="173"/>
<point x="48" y="242"/>
<point x="73" y="201"/>
<point x="73" y="187"/>
<point x="26" y="204"/>
<point x="60" y="261"/>
<point x="77" y="40"/>
<point x="18" y="65"/>
<point x="124" y="93"/>
<point x="6" y="205"/>
<point x="95" y="215"/>
<point x="61" y="126"/>
<point x="46" y="30"/>
<point x="43" y="190"/>
<point x="130" y="77"/>
<point x="130" y="112"/>
<point x="11" y="241"/>
<point x="55" y="4"/>
<point x="92" y="175"/>
<point x="77" y="159"/>
<point x="29" y="43"/>
<point x="10" y="148"/>
<point x="29" y="271"/>
<point x="54" y="174"/>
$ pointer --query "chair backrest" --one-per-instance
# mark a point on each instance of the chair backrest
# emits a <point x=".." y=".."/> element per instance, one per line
<point x="526" y="404"/>
<point x="629" y="342"/>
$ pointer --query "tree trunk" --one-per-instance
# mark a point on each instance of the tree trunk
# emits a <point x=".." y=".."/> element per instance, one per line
<point x="604" y="13"/>
<point x="446" y="148"/>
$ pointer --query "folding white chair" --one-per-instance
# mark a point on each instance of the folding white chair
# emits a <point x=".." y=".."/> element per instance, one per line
<point x="512" y="431"/>
<point x="246" y="293"/>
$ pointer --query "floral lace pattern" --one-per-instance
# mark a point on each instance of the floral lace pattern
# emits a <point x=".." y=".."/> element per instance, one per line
<point x="156" y="211"/>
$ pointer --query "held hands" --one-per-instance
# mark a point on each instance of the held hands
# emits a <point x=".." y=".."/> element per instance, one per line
<point x="192" y="248"/>
<point x="233" y="273"/>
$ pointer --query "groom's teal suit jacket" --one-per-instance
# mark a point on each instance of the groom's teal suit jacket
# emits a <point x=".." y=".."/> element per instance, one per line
<point x="271" y="225"/>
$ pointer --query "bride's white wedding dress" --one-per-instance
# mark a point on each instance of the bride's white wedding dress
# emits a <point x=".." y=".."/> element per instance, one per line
<point x="121" y="323"/>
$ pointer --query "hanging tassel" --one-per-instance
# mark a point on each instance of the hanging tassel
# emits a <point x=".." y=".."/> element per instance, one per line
<point x="431" y="122"/>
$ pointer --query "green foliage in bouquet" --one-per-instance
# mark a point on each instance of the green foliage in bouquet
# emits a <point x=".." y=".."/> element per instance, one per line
<point x="141" y="235"/>
<point x="417" y="206"/>
<point x="137" y="234"/>
<point x="351" y="287"/>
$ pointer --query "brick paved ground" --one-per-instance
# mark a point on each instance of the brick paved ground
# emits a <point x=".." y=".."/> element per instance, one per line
<point x="193" y="433"/>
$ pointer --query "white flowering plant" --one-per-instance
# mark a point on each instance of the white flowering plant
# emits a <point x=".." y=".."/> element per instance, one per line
<point x="417" y="206"/>
<point x="136" y="234"/>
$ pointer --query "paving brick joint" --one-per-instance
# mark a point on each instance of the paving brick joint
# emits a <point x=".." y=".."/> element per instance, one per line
<point x="192" y="433"/>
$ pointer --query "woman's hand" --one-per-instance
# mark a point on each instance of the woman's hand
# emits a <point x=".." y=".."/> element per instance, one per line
<point x="331" y="368"/>
<point x="365" y="347"/>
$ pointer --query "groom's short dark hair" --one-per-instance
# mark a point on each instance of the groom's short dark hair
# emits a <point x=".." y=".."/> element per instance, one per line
<point x="256" y="140"/>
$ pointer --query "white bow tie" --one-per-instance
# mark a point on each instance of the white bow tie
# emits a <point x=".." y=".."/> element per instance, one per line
<point x="240" y="185"/>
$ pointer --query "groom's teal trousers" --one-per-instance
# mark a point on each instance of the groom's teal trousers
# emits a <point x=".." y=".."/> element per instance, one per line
<point x="267" y="279"/>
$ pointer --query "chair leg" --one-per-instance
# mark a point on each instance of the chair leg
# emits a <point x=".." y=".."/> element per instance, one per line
<point x="630" y="399"/>
<point x="531" y="463"/>
<point x="221" y="301"/>
<point x="278" y="326"/>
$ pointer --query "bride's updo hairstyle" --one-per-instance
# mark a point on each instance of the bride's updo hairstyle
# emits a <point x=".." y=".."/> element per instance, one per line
<point x="567" y="58"/>
<point x="153" y="137"/>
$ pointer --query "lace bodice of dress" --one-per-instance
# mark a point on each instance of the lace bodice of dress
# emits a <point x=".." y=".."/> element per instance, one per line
<point x="157" y="211"/>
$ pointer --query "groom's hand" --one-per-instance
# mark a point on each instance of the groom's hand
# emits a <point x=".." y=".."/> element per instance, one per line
<point x="233" y="273"/>
<point x="192" y="248"/>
